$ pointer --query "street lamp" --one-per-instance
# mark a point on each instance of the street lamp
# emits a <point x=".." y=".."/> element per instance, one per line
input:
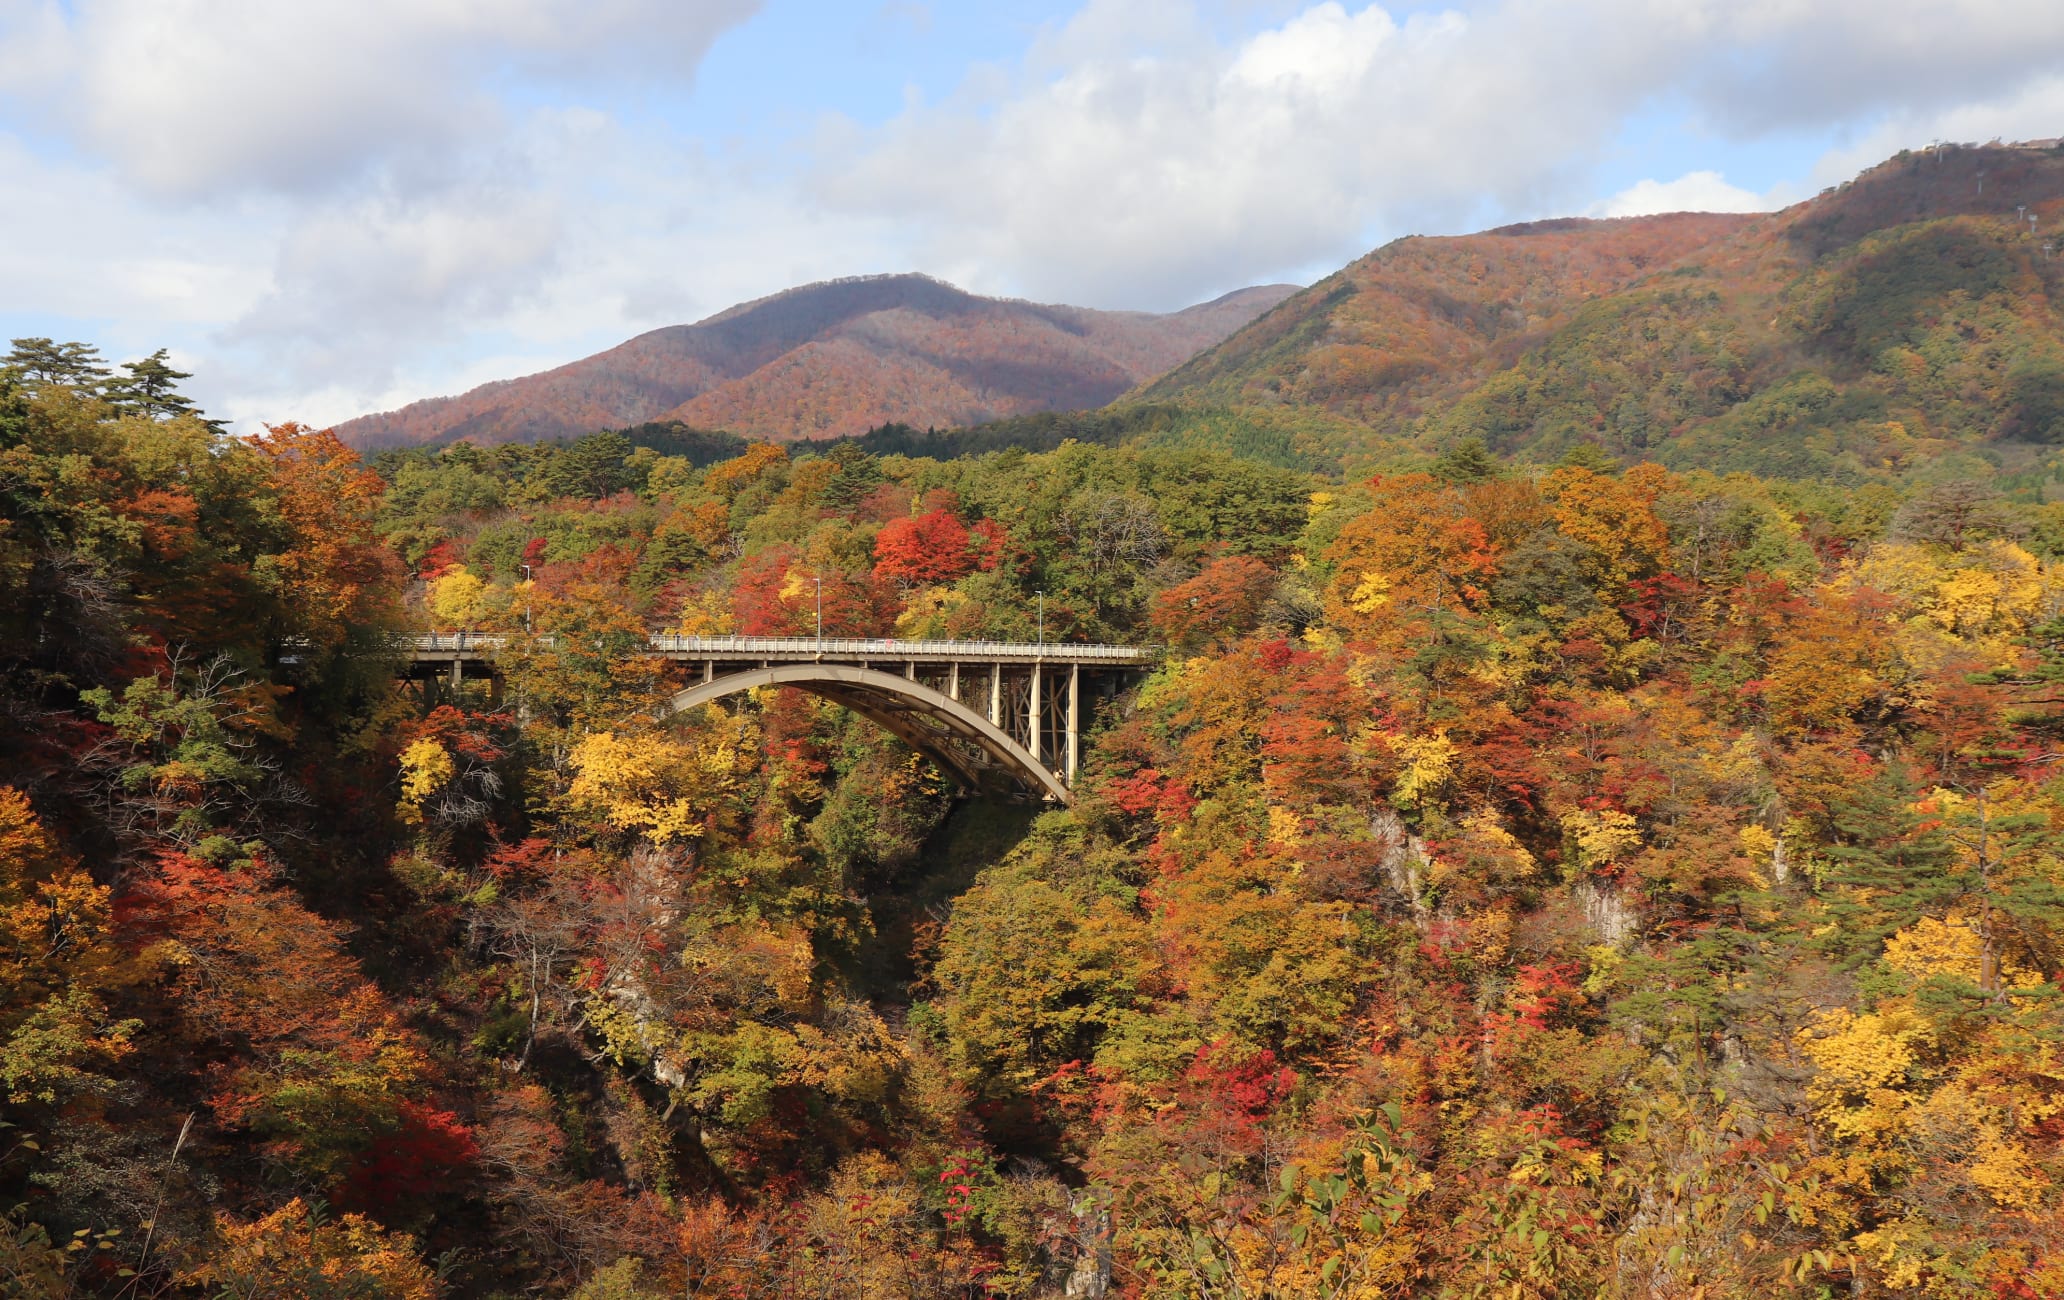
<point x="819" y="580"/>
<point x="1042" y="617"/>
<point x="526" y="596"/>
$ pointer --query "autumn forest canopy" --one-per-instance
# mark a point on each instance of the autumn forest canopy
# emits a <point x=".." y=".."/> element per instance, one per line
<point x="1595" y="827"/>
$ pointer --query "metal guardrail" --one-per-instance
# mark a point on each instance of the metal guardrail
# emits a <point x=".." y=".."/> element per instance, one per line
<point x="805" y="647"/>
<point x="888" y="648"/>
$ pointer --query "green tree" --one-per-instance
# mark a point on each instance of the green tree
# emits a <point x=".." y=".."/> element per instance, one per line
<point x="150" y="388"/>
<point x="593" y="467"/>
<point x="858" y="474"/>
<point x="1468" y="461"/>
<point x="41" y="363"/>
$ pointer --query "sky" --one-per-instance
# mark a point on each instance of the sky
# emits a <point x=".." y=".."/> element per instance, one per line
<point x="326" y="208"/>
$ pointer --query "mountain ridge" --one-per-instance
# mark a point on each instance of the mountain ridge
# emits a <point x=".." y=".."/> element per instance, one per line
<point x="1416" y="305"/>
<point x="833" y="358"/>
<point x="1903" y="316"/>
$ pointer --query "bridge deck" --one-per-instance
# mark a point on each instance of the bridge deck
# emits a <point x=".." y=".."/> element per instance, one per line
<point x="444" y="648"/>
<point x="983" y="709"/>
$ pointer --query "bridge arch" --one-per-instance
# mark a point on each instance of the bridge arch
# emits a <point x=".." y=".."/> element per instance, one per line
<point x="973" y="750"/>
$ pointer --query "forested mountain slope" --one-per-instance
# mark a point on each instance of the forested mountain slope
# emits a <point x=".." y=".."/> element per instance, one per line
<point x="1905" y="315"/>
<point x="1517" y="880"/>
<point x="1425" y="316"/>
<point x="1550" y="860"/>
<point x="832" y="359"/>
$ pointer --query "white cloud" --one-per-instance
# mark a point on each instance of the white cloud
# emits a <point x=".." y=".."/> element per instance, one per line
<point x="320" y="197"/>
<point x="1704" y="191"/>
<point x="329" y="206"/>
<point x="387" y="300"/>
<point x="78" y="243"/>
<point x="1137" y="177"/>
<point x="1134" y="160"/>
<point x="354" y="282"/>
<point x="1786" y="63"/>
<point x="2033" y="111"/>
<point x="194" y="97"/>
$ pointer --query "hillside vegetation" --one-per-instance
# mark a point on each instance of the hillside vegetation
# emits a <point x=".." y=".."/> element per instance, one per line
<point x="1594" y="831"/>
<point x="1552" y="881"/>
<point x="1904" y="316"/>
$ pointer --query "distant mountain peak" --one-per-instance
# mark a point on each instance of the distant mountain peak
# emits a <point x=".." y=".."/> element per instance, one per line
<point x="835" y="357"/>
<point x="1910" y="310"/>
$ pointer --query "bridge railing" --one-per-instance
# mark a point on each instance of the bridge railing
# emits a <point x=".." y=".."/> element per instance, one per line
<point x="889" y="648"/>
<point x="452" y="642"/>
<point x="722" y="647"/>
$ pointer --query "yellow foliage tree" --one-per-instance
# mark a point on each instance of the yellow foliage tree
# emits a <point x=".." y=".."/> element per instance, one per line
<point x="1931" y="947"/>
<point x="659" y="786"/>
<point x="1600" y="838"/>
<point x="1614" y="516"/>
<point x="1984" y="597"/>
<point x="1410" y="564"/>
<point x="425" y="767"/>
<point x="295" y="1253"/>
<point x="728" y="478"/>
<point x="1862" y="1063"/>
<point x="1828" y="665"/>
<point x="705" y="613"/>
<point x="459" y="600"/>
<point x="1425" y="763"/>
<point x="928" y="610"/>
<point x="57" y="960"/>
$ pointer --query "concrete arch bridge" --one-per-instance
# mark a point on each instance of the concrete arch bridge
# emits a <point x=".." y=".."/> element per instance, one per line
<point x="996" y="716"/>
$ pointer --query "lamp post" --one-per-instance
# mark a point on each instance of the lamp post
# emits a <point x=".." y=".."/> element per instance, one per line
<point x="1042" y="619"/>
<point x="526" y="595"/>
<point x="819" y="580"/>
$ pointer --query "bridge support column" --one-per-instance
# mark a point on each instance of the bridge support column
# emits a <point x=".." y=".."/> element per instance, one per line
<point x="709" y="670"/>
<point x="953" y="681"/>
<point x="996" y="695"/>
<point x="458" y="672"/>
<point x="1074" y="750"/>
<point x="1034" y="723"/>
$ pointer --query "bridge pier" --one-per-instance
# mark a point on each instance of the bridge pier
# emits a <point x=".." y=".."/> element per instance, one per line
<point x="1074" y="721"/>
<point x="1034" y="723"/>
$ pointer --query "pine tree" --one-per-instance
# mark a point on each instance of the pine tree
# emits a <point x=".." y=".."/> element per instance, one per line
<point x="40" y="363"/>
<point x="1468" y="461"/>
<point x="149" y="389"/>
<point x="1955" y="514"/>
<point x="1889" y="866"/>
<point x="2045" y="677"/>
<point x="858" y="474"/>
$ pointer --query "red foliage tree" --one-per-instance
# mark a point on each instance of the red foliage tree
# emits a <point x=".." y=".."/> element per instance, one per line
<point x="989" y="543"/>
<point x="777" y="592"/>
<point x="420" y="1157"/>
<point x="332" y="567"/>
<point x="1226" y="1098"/>
<point x="1225" y="600"/>
<point x="927" y="551"/>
